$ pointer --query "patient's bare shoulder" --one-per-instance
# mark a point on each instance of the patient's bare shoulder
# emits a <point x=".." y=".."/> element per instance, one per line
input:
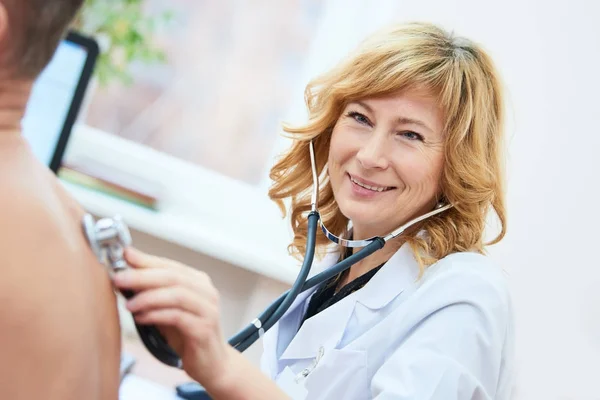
<point x="58" y="320"/>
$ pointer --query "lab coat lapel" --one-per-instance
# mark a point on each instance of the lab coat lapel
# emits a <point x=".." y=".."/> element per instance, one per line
<point x="329" y="327"/>
<point x="322" y="330"/>
<point x="279" y="336"/>
<point x="395" y="277"/>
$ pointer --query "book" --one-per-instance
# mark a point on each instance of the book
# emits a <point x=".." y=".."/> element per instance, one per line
<point x="110" y="181"/>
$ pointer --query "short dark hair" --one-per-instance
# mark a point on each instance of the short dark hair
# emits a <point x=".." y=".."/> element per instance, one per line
<point x="36" y="28"/>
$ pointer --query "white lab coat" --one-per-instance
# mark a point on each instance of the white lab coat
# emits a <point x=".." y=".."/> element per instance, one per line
<point x="446" y="336"/>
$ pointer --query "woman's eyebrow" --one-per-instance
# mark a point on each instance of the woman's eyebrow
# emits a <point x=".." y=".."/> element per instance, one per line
<point x="363" y="105"/>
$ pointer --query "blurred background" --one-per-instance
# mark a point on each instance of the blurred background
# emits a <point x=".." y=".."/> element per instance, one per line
<point x="189" y="96"/>
<point x="214" y="80"/>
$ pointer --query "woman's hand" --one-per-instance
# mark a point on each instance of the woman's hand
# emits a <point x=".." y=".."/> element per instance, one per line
<point x="183" y="303"/>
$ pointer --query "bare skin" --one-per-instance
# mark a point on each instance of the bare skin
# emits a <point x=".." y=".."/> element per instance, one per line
<point x="59" y="319"/>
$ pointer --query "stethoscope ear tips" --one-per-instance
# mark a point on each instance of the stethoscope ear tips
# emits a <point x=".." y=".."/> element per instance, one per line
<point x="444" y="206"/>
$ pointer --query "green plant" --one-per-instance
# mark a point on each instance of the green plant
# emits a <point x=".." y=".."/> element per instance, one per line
<point x="125" y="32"/>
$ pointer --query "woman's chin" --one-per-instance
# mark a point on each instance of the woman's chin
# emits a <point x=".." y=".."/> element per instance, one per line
<point x="364" y="228"/>
<point x="372" y="224"/>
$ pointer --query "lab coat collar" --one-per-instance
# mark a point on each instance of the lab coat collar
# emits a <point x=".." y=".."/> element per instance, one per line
<point x="326" y="329"/>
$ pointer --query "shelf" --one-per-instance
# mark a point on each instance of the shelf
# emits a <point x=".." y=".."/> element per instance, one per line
<point x="201" y="210"/>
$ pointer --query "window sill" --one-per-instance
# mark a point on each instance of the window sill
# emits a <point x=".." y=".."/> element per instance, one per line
<point x="201" y="210"/>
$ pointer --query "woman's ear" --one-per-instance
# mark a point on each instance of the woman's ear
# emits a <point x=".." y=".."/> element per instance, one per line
<point x="440" y="198"/>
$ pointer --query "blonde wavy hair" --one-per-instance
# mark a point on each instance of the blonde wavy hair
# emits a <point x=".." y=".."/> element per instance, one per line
<point x="463" y="78"/>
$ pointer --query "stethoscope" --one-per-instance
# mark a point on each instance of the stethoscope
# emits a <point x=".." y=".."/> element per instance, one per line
<point x="109" y="237"/>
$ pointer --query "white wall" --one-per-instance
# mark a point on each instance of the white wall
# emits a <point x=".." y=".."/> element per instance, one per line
<point x="548" y="53"/>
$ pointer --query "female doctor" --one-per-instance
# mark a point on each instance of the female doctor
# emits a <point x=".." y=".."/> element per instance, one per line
<point x="411" y="119"/>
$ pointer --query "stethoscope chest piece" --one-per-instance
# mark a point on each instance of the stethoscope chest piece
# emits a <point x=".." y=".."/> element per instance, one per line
<point x="108" y="238"/>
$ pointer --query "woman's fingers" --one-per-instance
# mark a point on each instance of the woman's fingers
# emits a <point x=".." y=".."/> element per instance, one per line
<point x="200" y="330"/>
<point x="176" y="297"/>
<point x="139" y="259"/>
<point x="144" y="279"/>
<point x="173" y="317"/>
<point x="150" y="278"/>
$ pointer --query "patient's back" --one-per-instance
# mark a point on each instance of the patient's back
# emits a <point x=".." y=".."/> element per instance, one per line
<point x="58" y="318"/>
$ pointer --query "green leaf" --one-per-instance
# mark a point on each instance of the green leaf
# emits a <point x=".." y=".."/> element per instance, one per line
<point x="128" y="28"/>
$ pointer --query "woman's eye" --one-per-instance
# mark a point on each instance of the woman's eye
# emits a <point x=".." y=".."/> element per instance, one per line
<point x="411" y="135"/>
<point x="360" y="118"/>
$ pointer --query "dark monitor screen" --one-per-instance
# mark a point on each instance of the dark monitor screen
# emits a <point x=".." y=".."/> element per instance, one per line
<point x="56" y="98"/>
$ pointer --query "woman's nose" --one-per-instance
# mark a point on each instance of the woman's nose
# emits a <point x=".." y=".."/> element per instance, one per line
<point x="372" y="153"/>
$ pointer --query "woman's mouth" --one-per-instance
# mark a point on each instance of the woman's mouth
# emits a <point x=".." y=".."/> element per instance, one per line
<point x="369" y="185"/>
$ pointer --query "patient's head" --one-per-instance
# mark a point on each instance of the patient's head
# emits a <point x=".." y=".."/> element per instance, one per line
<point x="30" y="31"/>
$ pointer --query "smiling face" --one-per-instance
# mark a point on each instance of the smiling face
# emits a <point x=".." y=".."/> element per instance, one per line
<point x="385" y="161"/>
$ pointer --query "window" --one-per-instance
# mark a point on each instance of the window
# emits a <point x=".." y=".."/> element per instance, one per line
<point x="220" y="98"/>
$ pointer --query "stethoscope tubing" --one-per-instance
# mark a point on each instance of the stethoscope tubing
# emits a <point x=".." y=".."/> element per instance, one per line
<point x="324" y="276"/>
<point x="247" y="336"/>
